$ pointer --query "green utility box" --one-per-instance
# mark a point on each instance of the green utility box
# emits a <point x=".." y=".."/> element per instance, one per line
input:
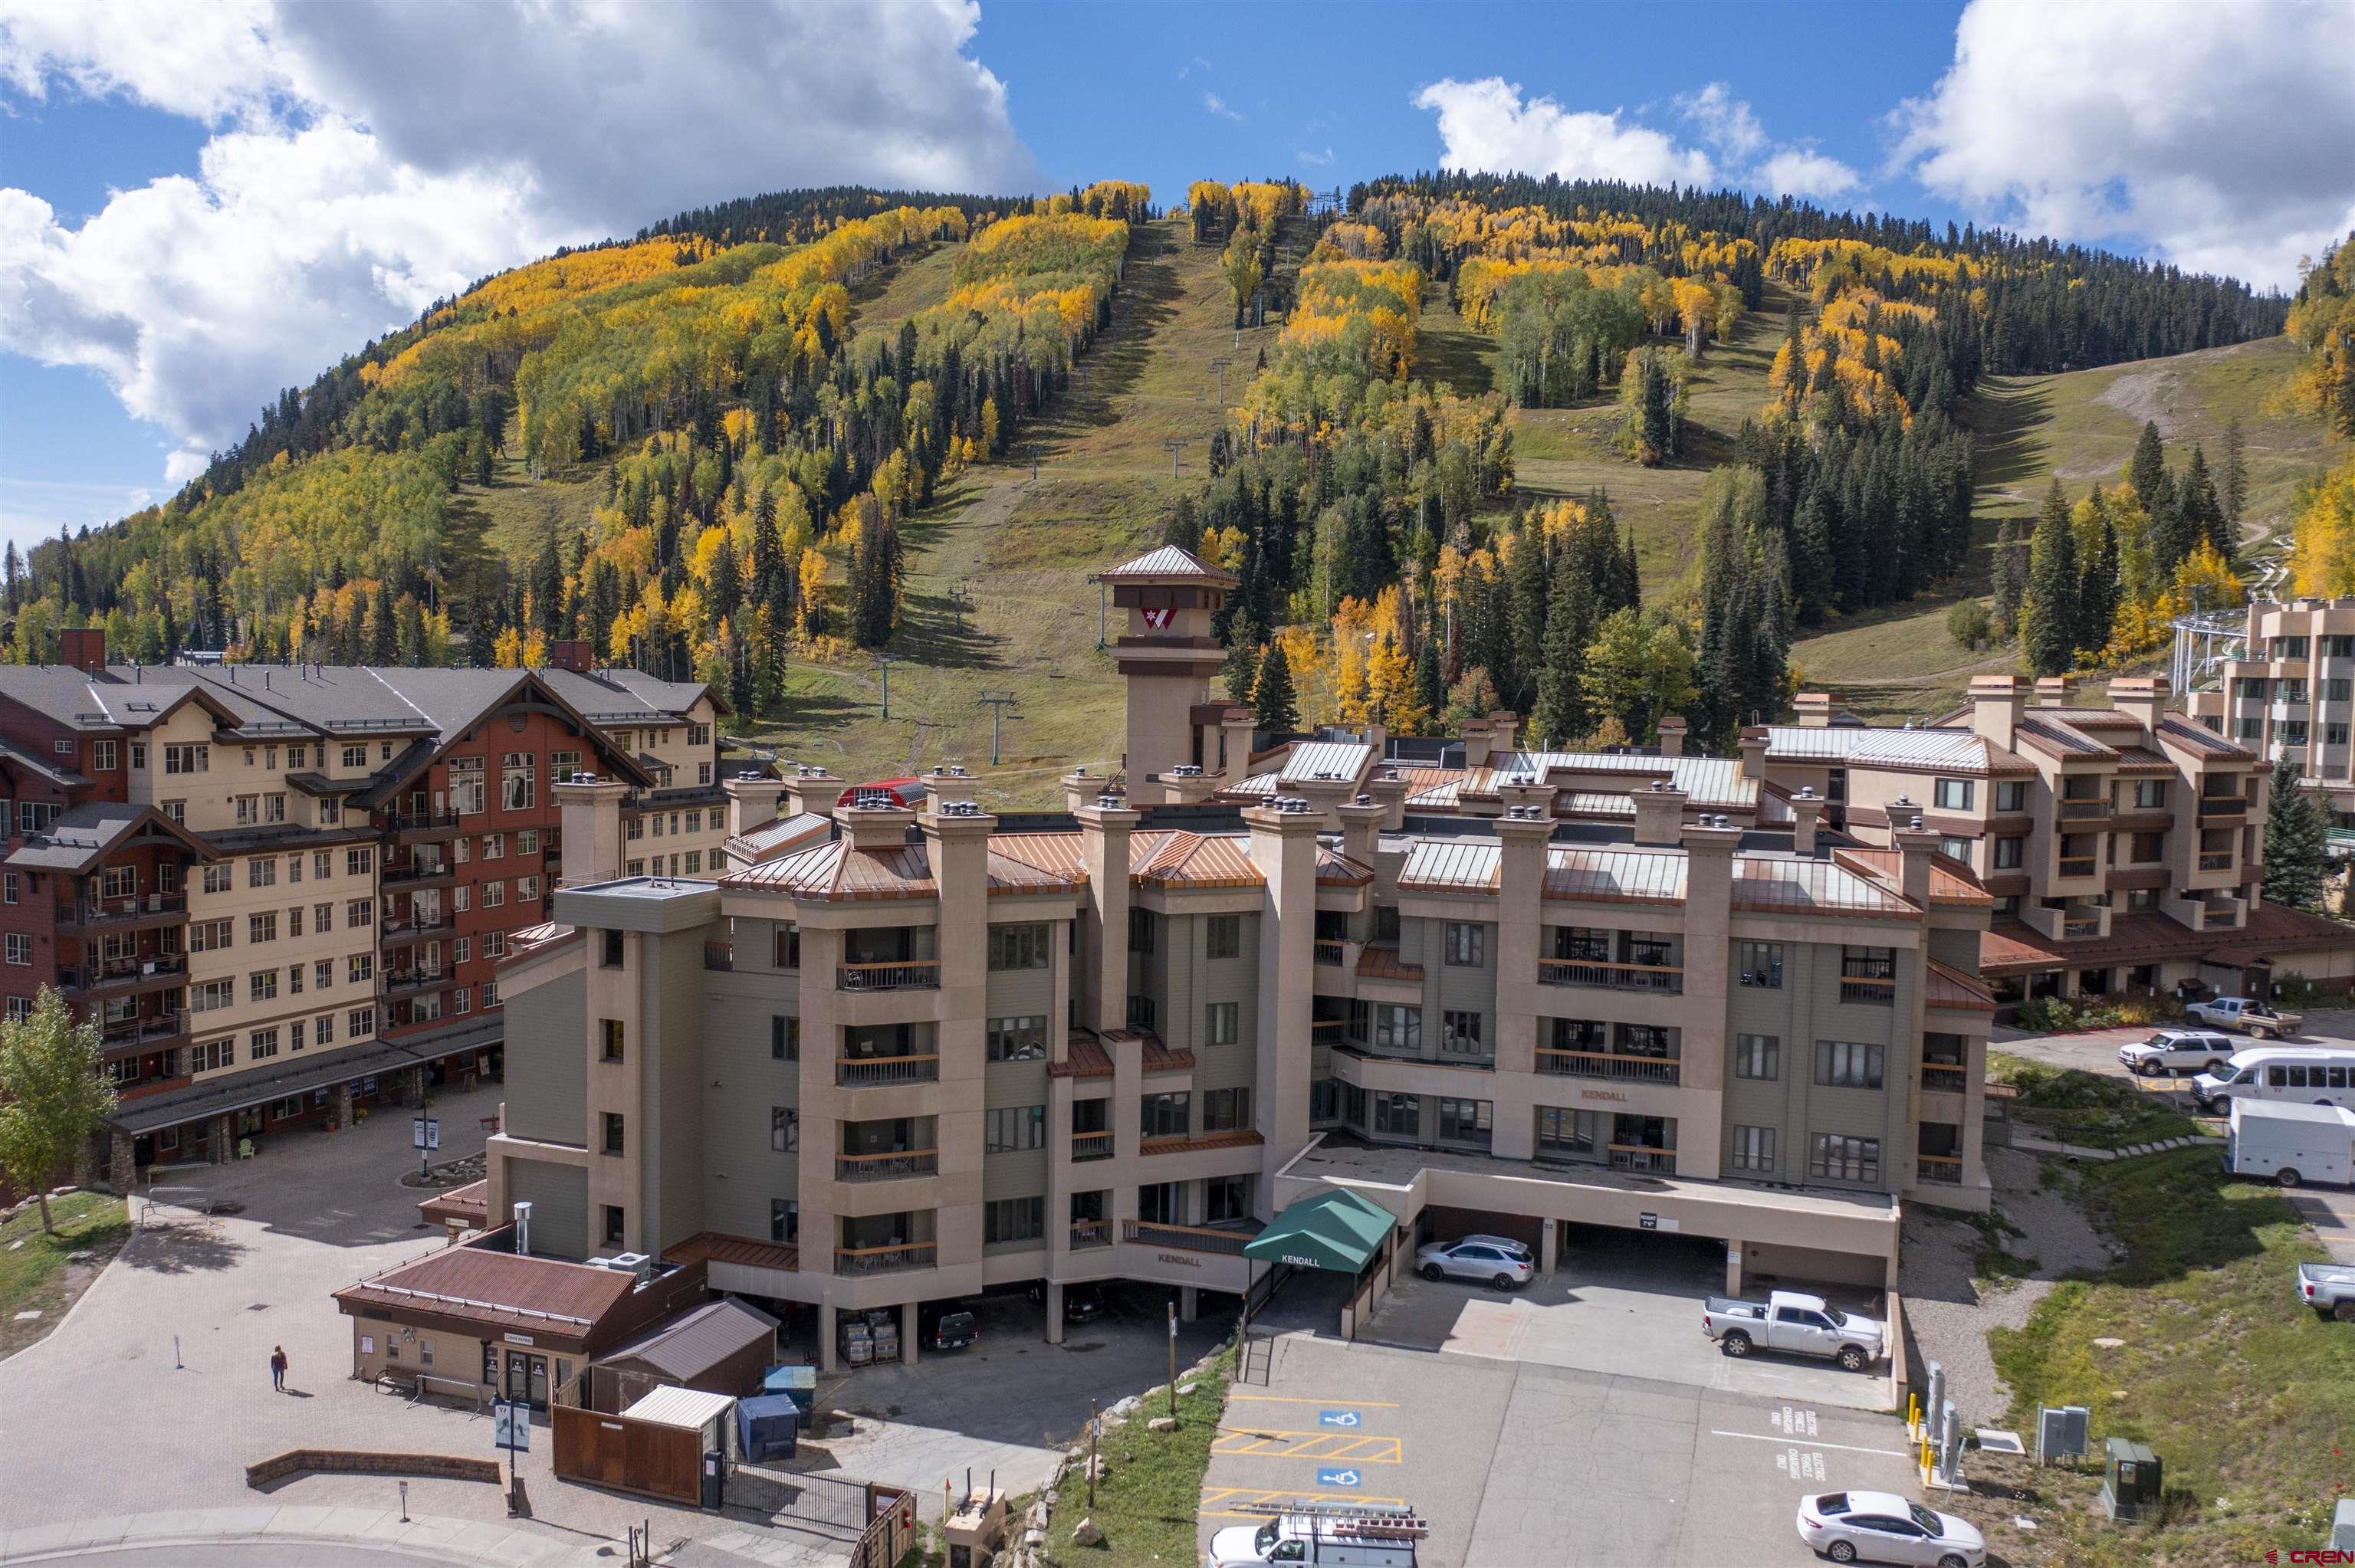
<point x="2130" y="1481"/>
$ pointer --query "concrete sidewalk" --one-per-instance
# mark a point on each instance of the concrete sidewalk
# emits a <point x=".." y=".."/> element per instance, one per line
<point x="433" y="1539"/>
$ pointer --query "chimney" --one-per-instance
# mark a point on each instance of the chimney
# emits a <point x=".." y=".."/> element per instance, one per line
<point x="812" y="789"/>
<point x="1994" y="709"/>
<point x="1391" y="787"/>
<point x="523" y="1228"/>
<point x="1324" y="796"/>
<point x="872" y="823"/>
<point x="1806" y="812"/>
<point x="1814" y="708"/>
<point x="1659" y="814"/>
<point x="589" y="815"/>
<point x="1236" y="727"/>
<point x="947" y="786"/>
<point x="1080" y="787"/>
<point x="1502" y="725"/>
<point x="956" y="843"/>
<point x="1672" y="737"/>
<point x="1527" y="794"/>
<point x="1475" y="743"/>
<point x="1104" y="830"/>
<point x="1755" y="740"/>
<point x="83" y="648"/>
<point x="572" y="654"/>
<point x="1361" y="829"/>
<point x="2056" y="690"/>
<point x="2142" y="697"/>
<point x="1916" y="844"/>
<point x="750" y="802"/>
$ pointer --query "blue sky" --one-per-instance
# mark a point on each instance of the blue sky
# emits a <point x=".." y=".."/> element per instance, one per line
<point x="195" y="214"/>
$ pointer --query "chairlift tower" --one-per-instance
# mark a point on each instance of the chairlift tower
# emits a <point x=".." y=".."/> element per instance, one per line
<point x="997" y="703"/>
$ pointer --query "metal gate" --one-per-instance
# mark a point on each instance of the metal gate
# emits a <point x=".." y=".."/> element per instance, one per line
<point x="826" y="1504"/>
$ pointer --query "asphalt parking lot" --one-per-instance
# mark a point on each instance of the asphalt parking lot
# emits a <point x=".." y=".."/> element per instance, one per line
<point x="1517" y="1461"/>
<point x="1619" y="1300"/>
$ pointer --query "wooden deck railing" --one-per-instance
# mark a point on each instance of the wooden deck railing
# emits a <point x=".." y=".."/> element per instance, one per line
<point x="873" y="1072"/>
<point x="910" y="974"/>
<point x="1185" y="1239"/>
<point x="889" y="1166"/>
<point x="1091" y="1145"/>
<point x="1611" y="977"/>
<point x="883" y="1259"/>
<point x="1091" y="1233"/>
<point x="1608" y="1064"/>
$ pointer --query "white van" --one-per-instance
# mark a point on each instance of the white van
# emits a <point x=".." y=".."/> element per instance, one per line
<point x="2290" y="1143"/>
<point x="2300" y="1073"/>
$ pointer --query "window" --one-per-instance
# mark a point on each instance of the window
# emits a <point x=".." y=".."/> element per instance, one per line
<point x="527" y="839"/>
<point x="1165" y="1115"/>
<point x="1466" y="1121"/>
<point x="1396" y="1114"/>
<point x="360" y="969"/>
<point x="2010" y="853"/>
<point x="1398" y="1028"/>
<point x="495" y="894"/>
<point x="139" y="754"/>
<point x="495" y="944"/>
<point x="563" y="765"/>
<point x="1220" y="1023"/>
<point x="261" y="1044"/>
<point x="462" y="950"/>
<point x="1012" y="1128"/>
<point x="494" y="846"/>
<point x="1956" y="848"/>
<point x="490" y="994"/>
<point x="212" y="1057"/>
<point x="177" y="811"/>
<point x="789" y="947"/>
<point x="1019" y="947"/>
<point x="1838" y="1158"/>
<point x="518" y="782"/>
<point x="1955" y="794"/>
<point x="20" y="1008"/>
<point x="466" y="785"/>
<point x="1013" y="1220"/>
<point x="220" y="878"/>
<point x="323" y="974"/>
<point x="261" y="927"/>
<point x="1459" y="1033"/>
<point x="360" y="1022"/>
<point x="359" y="862"/>
<point x="187" y="758"/>
<point x="1757" y="1056"/>
<point x="1224" y="936"/>
<point x="610" y="1036"/>
<point x="2148" y="847"/>
<point x="613" y="1132"/>
<point x="261" y="985"/>
<point x="1161" y="1203"/>
<point x="1467" y="944"/>
<point x="103" y="756"/>
<point x="1753" y="1149"/>
<point x="1848" y="1063"/>
<point x="323" y="1029"/>
<point x="10" y="887"/>
<point x="1141" y="1013"/>
<point x="2011" y="797"/>
<point x="261" y="873"/>
<point x="1226" y="1111"/>
<point x="294" y="921"/>
<point x="206" y="996"/>
<point x="1227" y="1197"/>
<point x="1019" y="1039"/>
<point x="784" y="1220"/>
<point x="785" y="1039"/>
<point x="615" y="1222"/>
<point x="1762" y="964"/>
<point x="784" y="1130"/>
<point x="210" y="936"/>
<point x="1140" y="930"/>
<point x="20" y="950"/>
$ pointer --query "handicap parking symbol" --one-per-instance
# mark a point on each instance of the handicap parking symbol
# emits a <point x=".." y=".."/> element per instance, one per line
<point x="1336" y="1419"/>
<point x="1343" y="1477"/>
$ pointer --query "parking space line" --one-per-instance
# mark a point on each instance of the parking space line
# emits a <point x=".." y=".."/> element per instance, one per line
<point x="1810" y="1442"/>
<point x="1242" y="1441"/>
<point x="1287" y="1399"/>
<point x="1230" y="1502"/>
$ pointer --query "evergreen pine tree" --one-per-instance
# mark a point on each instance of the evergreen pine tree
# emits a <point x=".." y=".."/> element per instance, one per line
<point x="1560" y="713"/>
<point x="2236" y="473"/>
<point x="384" y="636"/>
<point x="1272" y="694"/>
<point x="2203" y="513"/>
<point x="726" y="590"/>
<point x="2097" y="592"/>
<point x="2005" y="573"/>
<point x="1241" y="669"/>
<point x="1526" y="582"/>
<point x="1430" y="690"/>
<point x="2048" y="618"/>
<point x="2298" y="854"/>
<point x="2148" y="468"/>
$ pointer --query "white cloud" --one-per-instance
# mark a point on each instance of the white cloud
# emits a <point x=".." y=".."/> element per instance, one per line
<point x="374" y="157"/>
<point x="2220" y="135"/>
<point x="1486" y="124"/>
<point x="1804" y="171"/>
<point x="1217" y="106"/>
<point x="1725" y="121"/>
<point x="1313" y="159"/>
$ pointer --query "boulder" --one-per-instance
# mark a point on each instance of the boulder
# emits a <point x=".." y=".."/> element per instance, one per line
<point x="1162" y="1424"/>
<point x="1086" y="1533"/>
<point x="1186" y="1388"/>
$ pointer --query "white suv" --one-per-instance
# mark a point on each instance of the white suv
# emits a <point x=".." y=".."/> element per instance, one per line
<point x="2178" y="1052"/>
<point x="1474" y="1259"/>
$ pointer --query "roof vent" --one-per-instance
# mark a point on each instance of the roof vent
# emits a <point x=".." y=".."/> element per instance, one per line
<point x="1806" y="793"/>
<point x="1902" y="800"/>
<point x="1916" y="824"/>
<point x="1364" y="799"/>
<point x="1108" y="802"/>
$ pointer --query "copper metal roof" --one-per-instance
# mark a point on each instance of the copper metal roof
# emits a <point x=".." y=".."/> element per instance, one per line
<point x="1953" y="989"/>
<point x="1939" y="748"/>
<point x="1450" y="865"/>
<point x="1180" y="859"/>
<point x="775" y="836"/>
<point x="2201" y="739"/>
<point x="1615" y="877"/>
<point x="2142" y="937"/>
<point x="1168" y="561"/>
<point x="1325" y="758"/>
<point x="1811" y="887"/>
<point x="487" y="1284"/>
<point x="1380" y="961"/>
<point x="718" y="1246"/>
<point x="1086" y="1058"/>
<point x="1952" y="883"/>
<point x="838" y="873"/>
<point x="1335" y="869"/>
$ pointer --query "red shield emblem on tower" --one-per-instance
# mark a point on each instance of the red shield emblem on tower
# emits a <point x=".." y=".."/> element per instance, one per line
<point x="1158" y="619"/>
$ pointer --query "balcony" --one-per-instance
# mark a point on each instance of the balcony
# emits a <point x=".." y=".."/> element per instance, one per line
<point x="406" y="982"/>
<point x="1643" y="1158"/>
<point x="893" y="1165"/>
<point x="1938" y="1170"/>
<point x="1608" y="1064"/>
<point x="1091" y="1145"/>
<point x="419" y="874"/>
<point x="910" y="974"/>
<point x="859" y="1261"/>
<point x="1659" y="978"/>
<point x="1943" y="1078"/>
<point x="2081" y="927"/>
<point x="881" y="1072"/>
<point x="136" y="1034"/>
<point x="1331" y="954"/>
<point x="118" y="977"/>
<point x="2079" y="866"/>
<point x="98" y="914"/>
<point x="2216" y="806"/>
<point x="1187" y="1238"/>
<point x="2083" y="810"/>
<point x="419" y="825"/>
<point x="2211" y="861"/>
<point x="1091" y="1233"/>
<point x="410" y="927"/>
<point x="2220" y="913"/>
<point x="1869" y="981"/>
<point x="719" y="955"/>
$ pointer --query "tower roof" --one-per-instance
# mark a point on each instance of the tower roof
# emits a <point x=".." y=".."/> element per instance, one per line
<point x="1169" y="564"/>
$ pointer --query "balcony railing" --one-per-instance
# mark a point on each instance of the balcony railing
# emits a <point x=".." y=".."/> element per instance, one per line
<point x="1938" y="1169"/>
<point x="429" y="871"/>
<point x="1091" y="1145"/>
<point x="1608" y="1064"/>
<point x="425" y="823"/>
<point x="1943" y="1079"/>
<point x="1643" y="1157"/>
<point x="2216" y="862"/>
<point x="1662" y="978"/>
<point x="2223" y="806"/>
<point x="910" y="974"/>
<point x="2219" y="913"/>
<point x="401" y="982"/>
<point x="139" y="1031"/>
<point x="1185" y="1239"/>
<point x="85" y="913"/>
<point x="122" y="974"/>
<point x="896" y="1260"/>
<point x="412" y="926"/>
<point x="889" y="1166"/>
<point x="1091" y="1233"/>
<point x="874" y="1072"/>
<point x="1331" y="953"/>
<point x="2084" y="926"/>
<point x="718" y="955"/>
<point x="1869" y="990"/>
<point x="2075" y="811"/>
<point x="2079" y="866"/>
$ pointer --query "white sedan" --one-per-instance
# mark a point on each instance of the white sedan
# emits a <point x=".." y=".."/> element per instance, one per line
<point x="1474" y="1258"/>
<point x="1882" y="1526"/>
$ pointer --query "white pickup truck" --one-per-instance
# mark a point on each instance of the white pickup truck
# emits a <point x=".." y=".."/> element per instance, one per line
<point x="1787" y="1320"/>
<point x="2329" y="1288"/>
<point x="2252" y="1017"/>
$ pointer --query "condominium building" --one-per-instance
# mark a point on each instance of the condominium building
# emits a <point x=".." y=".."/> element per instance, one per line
<point x="280" y="891"/>
<point x="908" y="1056"/>
<point x="2284" y="689"/>
<point x="2124" y="845"/>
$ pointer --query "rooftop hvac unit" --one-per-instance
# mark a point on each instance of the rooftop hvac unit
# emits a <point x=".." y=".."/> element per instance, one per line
<point x="628" y="1262"/>
<point x="600" y="1263"/>
<point x="2060" y="1433"/>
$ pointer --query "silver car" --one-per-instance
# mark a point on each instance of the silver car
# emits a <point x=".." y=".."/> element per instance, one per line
<point x="1474" y="1258"/>
<point x="1882" y="1526"/>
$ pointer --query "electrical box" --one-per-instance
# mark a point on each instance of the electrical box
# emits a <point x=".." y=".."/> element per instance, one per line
<point x="2060" y="1433"/>
<point x="2130" y="1480"/>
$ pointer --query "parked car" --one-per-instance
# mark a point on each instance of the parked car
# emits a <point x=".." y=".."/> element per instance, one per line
<point x="2322" y="1075"/>
<point x="2329" y="1288"/>
<point x="947" y="1326"/>
<point x="1788" y="1320"/>
<point x="2239" y="1012"/>
<point x="1475" y="1258"/>
<point x="1334" y="1539"/>
<point x="1082" y="1303"/>
<point x="1882" y="1526"/>
<point x="2291" y="1143"/>
<point x="2178" y="1052"/>
<point x="1502" y="1244"/>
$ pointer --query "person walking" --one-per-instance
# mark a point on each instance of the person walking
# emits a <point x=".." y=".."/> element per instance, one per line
<point x="278" y="1368"/>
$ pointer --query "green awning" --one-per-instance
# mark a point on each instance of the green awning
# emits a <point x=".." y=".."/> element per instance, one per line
<point x="1335" y="1229"/>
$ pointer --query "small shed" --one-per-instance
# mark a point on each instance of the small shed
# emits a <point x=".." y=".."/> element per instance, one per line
<point x="722" y="1347"/>
<point x="690" y="1410"/>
